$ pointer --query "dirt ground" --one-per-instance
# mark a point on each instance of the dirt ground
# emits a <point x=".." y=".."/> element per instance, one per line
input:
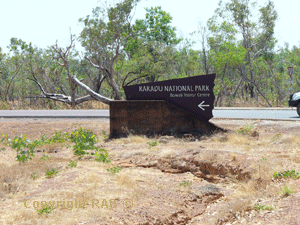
<point x="226" y="178"/>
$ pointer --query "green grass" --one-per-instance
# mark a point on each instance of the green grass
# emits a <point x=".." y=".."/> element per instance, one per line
<point x="84" y="143"/>
<point x="152" y="144"/>
<point x="45" y="157"/>
<point x="47" y="209"/>
<point x="186" y="183"/>
<point x="51" y="173"/>
<point x="262" y="207"/>
<point x="34" y="175"/>
<point x="101" y="155"/>
<point x="114" y="170"/>
<point x="286" y="191"/>
<point x="276" y="137"/>
<point x="245" y="129"/>
<point x="287" y="174"/>
<point x="105" y="135"/>
<point x="72" y="164"/>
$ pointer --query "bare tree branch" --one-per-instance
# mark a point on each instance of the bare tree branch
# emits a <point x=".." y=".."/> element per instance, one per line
<point x="91" y="92"/>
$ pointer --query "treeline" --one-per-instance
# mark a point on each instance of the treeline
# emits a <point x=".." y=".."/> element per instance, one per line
<point x="237" y="43"/>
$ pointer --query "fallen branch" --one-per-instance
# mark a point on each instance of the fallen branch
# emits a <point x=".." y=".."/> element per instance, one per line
<point x="91" y="92"/>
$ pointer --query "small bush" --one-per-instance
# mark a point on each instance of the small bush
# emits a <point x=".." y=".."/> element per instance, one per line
<point x="21" y="144"/>
<point x="262" y="207"/>
<point x="47" y="209"/>
<point x="34" y="175"/>
<point x="105" y="135"/>
<point x="276" y="137"/>
<point x="51" y="173"/>
<point x="101" y="155"/>
<point x="287" y="174"/>
<point x="286" y="191"/>
<point x="58" y="137"/>
<point x="72" y="164"/>
<point x="245" y="129"/>
<point x="152" y="144"/>
<point x="84" y="140"/>
<point x="114" y="170"/>
<point x="5" y="141"/>
<point x="45" y="157"/>
<point x="186" y="183"/>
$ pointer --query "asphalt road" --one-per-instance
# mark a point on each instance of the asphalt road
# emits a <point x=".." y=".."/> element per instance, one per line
<point x="274" y="114"/>
<point x="235" y="113"/>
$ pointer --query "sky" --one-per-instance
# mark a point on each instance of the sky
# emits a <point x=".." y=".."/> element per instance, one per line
<point x="42" y="22"/>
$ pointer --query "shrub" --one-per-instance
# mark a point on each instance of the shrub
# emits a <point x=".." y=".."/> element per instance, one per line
<point x="245" y="129"/>
<point x="101" y="155"/>
<point x="287" y="174"/>
<point x="5" y="141"/>
<point x="58" y="137"/>
<point x="47" y="209"/>
<point x="84" y="140"/>
<point x="186" y="183"/>
<point x="262" y="207"/>
<point x="51" y="173"/>
<point x="34" y="175"/>
<point x="286" y="191"/>
<point x="21" y="144"/>
<point x="72" y="164"/>
<point x="152" y="144"/>
<point x="114" y="170"/>
<point x="105" y="135"/>
<point x="45" y="157"/>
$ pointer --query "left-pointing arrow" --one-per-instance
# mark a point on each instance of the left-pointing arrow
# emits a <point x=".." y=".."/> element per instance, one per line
<point x="201" y="105"/>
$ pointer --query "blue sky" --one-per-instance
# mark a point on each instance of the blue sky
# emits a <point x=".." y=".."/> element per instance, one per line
<point x="42" y="22"/>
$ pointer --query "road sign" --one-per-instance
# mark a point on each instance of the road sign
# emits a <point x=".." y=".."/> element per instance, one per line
<point x="193" y="94"/>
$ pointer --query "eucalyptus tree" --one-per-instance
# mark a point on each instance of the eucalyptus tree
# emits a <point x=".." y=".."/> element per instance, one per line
<point x="63" y="57"/>
<point x="249" y="26"/>
<point x="7" y="75"/>
<point x="156" y="27"/>
<point x="152" y="50"/>
<point x="290" y="58"/>
<point x="104" y="38"/>
<point x="23" y="60"/>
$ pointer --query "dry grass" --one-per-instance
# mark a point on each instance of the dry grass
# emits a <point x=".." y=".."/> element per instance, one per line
<point x="18" y="176"/>
<point x="242" y="102"/>
<point x="167" y="152"/>
<point x="133" y="139"/>
<point x="91" y="182"/>
<point x="31" y="104"/>
<point x="39" y="103"/>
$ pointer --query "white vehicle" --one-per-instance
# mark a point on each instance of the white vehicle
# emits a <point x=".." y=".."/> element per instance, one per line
<point x="295" y="101"/>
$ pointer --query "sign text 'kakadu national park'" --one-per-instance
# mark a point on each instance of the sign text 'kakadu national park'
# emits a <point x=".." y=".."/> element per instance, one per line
<point x="193" y="94"/>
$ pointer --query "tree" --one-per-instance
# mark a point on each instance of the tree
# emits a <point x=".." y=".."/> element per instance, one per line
<point x="104" y="38"/>
<point x="156" y="27"/>
<point x="62" y="58"/>
<point x="7" y="74"/>
<point x="152" y="50"/>
<point x="257" y="36"/>
<point x="204" y="34"/>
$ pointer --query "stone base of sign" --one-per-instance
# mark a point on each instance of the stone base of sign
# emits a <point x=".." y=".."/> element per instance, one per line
<point x="154" y="117"/>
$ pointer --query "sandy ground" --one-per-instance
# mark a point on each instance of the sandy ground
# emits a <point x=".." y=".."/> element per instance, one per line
<point x="219" y="179"/>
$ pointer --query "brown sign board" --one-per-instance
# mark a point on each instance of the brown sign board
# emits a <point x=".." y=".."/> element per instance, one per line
<point x="193" y="94"/>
